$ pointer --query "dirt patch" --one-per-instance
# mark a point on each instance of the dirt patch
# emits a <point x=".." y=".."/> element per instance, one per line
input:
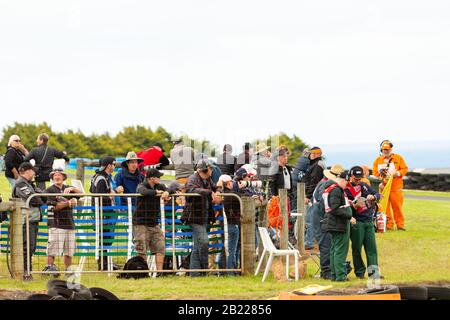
<point x="15" y="294"/>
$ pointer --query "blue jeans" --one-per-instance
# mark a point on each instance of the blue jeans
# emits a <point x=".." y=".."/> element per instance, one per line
<point x="199" y="254"/>
<point x="324" y="240"/>
<point x="309" y="236"/>
<point x="233" y="242"/>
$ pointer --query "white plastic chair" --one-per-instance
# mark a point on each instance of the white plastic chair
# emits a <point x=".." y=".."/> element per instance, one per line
<point x="269" y="248"/>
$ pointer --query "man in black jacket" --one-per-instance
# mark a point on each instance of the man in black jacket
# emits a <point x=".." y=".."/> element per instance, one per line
<point x="283" y="177"/>
<point x="226" y="161"/>
<point x="312" y="177"/>
<point x="147" y="232"/>
<point x="44" y="156"/>
<point x="198" y="213"/>
<point x="24" y="189"/>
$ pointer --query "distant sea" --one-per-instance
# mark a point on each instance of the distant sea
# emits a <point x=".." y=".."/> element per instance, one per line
<point x="418" y="155"/>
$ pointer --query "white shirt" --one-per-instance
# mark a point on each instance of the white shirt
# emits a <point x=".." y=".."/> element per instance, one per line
<point x="287" y="178"/>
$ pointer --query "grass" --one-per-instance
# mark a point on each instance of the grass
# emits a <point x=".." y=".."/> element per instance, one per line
<point x="419" y="255"/>
<point x="427" y="193"/>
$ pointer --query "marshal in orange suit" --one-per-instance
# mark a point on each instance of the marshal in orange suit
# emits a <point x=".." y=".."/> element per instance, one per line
<point x="385" y="166"/>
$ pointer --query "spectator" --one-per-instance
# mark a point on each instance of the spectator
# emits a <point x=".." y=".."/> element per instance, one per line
<point x="153" y="156"/>
<point x="14" y="157"/>
<point x="385" y="166"/>
<point x="318" y="211"/>
<point x="183" y="159"/>
<point x="311" y="179"/>
<point x="363" y="201"/>
<point x="101" y="182"/>
<point x="245" y="157"/>
<point x="198" y="213"/>
<point x="226" y="161"/>
<point x="61" y="227"/>
<point x="44" y="156"/>
<point x="24" y="189"/>
<point x="283" y="177"/>
<point x="337" y="216"/>
<point x="147" y="231"/>
<point x="129" y="177"/>
<point x="365" y="178"/>
<point x="232" y="209"/>
<point x="262" y="161"/>
<point x="301" y="167"/>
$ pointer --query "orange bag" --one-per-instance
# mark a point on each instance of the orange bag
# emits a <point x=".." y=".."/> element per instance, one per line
<point x="273" y="213"/>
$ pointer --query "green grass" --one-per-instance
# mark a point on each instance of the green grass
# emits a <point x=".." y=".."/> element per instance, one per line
<point x="419" y="255"/>
<point x="428" y="193"/>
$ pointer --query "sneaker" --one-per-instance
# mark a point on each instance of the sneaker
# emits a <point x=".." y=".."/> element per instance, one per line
<point x="28" y="277"/>
<point x="401" y="229"/>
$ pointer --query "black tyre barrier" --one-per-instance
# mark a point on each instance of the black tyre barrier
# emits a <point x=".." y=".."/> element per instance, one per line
<point x="387" y="289"/>
<point x="79" y="289"/>
<point x="102" y="294"/>
<point x="39" y="296"/>
<point x="413" y="292"/>
<point x="66" y="293"/>
<point x="438" y="293"/>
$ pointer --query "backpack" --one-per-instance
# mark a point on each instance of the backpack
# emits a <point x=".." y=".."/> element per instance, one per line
<point x="94" y="182"/>
<point x="135" y="263"/>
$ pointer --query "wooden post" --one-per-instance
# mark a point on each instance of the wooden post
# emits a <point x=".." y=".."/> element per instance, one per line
<point x="16" y="240"/>
<point x="284" y="215"/>
<point x="248" y="250"/>
<point x="80" y="171"/>
<point x="301" y="209"/>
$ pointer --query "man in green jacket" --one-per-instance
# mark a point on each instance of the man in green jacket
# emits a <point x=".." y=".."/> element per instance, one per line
<point x="338" y="213"/>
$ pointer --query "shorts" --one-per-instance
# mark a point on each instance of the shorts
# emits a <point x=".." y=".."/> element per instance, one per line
<point x="148" y="238"/>
<point x="61" y="241"/>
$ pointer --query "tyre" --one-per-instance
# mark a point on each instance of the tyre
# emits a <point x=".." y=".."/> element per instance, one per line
<point x="413" y="293"/>
<point x="39" y="296"/>
<point x="79" y="288"/>
<point x="66" y="293"/>
<point x="438" y="293"/>
<point x="102" y="294"/>
<point x="388" y="289"/>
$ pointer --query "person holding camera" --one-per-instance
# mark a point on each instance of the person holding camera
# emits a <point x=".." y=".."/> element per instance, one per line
<point x="44" y="156"/>
<point x="24" y="189"/>
<point x="198" y="213"/>
<point x="14" y="157"/>
<point x="61" y="226"/>
<point x="363" y="201"/>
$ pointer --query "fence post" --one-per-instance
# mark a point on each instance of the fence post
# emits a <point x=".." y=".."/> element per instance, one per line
<point x="284" y="239"/>
<point x="80" y="170"/>
<point x="248" y="236"/>
<point x="16" y="240"/>
<point x="301" y="209"/>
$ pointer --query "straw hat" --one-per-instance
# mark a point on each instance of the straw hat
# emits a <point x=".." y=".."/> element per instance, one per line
<point x="334" y="172"/>
<point x="132" y="156"/>
<point x="261" y="147"/>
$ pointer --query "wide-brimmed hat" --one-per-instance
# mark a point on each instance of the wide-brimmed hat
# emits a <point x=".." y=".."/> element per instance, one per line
<point x="132" y="156"/>
<point x="261" y="147"/>
<point x="334" y="172"/>
<point x="61" y="171"/>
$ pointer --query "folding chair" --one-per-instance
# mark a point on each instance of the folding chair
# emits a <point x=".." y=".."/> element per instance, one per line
<point x="272" y="251"/>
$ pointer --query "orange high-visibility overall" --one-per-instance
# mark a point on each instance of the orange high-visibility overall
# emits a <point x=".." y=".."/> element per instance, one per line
<point x="395" y="163"/>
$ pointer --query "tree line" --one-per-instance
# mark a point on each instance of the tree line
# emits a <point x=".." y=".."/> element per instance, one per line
<point x="79" y="145"/>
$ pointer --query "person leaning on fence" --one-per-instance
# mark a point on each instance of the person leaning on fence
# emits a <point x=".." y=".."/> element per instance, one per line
<point x="153" y="156"/>
<point x="198" y="213"/>
<point x="44" y="156"/>
<point x="226" y="161"/>
<point x="311" y="179"/>
<point x="101" y="182"/>
<point x="338" y="216"/>
<point x="14" y="157"/>
<point x="129" y="176"/>
<point x="183" y="160"/>
<point x="363" y="201"/>
<point x="61" y="226"/>
<point x="24" y="189"/>
<point x="318" y="211"/>
<point x="147" y="231"/>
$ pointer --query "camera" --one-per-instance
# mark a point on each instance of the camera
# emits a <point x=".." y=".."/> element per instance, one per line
<point x="250" y="184"/>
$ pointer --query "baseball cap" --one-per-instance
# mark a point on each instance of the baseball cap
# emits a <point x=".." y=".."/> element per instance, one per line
<point x="25" y="166"/>
<point x="154" y="173"/>
<point x="105" y="161"/>
<point x="357" y="172"/>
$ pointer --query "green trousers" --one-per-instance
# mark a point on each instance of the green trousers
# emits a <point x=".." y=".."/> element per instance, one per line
<point x="338" y="255"/>
<point x="363" y="234"/>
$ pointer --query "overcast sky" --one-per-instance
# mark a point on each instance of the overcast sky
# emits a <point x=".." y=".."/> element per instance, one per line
<point x="331" y="72"/>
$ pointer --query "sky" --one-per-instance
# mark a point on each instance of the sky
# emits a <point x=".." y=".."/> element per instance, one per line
<point x="331" y="72"/>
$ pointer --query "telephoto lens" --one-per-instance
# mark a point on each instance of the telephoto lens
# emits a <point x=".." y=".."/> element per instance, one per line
<point x="250" y="184"/>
